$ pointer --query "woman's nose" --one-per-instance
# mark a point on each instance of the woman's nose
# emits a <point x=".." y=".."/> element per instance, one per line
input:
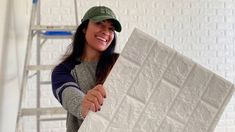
<point x="106" y="31"/>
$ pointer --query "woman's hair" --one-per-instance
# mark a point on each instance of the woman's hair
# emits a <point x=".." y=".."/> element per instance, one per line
<point x="107" y="58"/>
<point x="104" y="66"/>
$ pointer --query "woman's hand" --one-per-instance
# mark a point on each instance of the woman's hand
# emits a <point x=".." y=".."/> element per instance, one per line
<point x="93" y="100"/>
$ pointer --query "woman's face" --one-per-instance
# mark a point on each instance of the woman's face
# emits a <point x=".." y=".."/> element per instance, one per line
<point x="99" y="35"/>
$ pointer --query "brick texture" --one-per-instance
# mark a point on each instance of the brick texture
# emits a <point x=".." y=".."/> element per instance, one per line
<point x="173" y="96"/>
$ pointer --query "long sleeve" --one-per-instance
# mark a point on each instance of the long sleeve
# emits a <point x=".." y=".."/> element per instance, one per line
<point x="65" y="88"/>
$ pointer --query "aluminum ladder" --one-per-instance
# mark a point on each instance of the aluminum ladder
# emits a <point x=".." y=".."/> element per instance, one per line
<point x="39" y="34"/>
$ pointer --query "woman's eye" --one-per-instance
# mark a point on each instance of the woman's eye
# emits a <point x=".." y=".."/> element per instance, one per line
<point x="111" y="29"/>
<point x="98" y="23"/>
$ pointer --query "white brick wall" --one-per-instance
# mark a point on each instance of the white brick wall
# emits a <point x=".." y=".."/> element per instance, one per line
<point x="200" y="29"/>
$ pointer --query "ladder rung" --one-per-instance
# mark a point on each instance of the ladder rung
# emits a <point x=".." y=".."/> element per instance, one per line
<point x="57" y="33"/>
<point x="53" y="28"/>
<point x="41" y="67"/>
<point x="42" y="111"/>
<point x="45" y="82"/>
<point x="52" y="119"/>
<point x="56" y="36"/>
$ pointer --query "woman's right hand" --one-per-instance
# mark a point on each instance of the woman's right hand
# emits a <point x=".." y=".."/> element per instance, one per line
<point x="93" y="100"/>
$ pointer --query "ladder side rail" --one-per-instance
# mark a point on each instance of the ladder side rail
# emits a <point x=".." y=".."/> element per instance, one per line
<point x="38" y="73"/>
<point x="26" y="62"/>
<point x="76" y="12"/>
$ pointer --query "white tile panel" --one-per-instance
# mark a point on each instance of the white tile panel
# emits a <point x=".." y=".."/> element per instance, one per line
<point x="154" y="88"/>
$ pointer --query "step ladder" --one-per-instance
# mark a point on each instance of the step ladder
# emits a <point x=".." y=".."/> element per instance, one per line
<point x="39" y="34"/>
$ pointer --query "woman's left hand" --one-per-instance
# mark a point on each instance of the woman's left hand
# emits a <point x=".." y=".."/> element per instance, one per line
<point x="93" y="100"/>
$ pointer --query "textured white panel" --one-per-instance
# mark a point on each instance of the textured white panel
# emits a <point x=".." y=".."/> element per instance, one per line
<point x="153" y="88"/>
<point x="117" y="85"/>
<point x="91" y="119"/>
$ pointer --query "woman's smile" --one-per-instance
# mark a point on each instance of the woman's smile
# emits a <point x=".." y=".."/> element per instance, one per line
<point x="101" y="39"/>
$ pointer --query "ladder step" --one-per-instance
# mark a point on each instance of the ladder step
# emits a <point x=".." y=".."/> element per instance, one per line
<point x="53" y="119"/>
<point x="40" y="67"/>
<point x="45" y="82"/>
<point x="53" y="28"/>
<point x="42" y="111"/>
<point x="57" y="35"/>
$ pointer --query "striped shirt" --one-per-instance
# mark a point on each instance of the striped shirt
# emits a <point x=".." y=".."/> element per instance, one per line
<point x="70" y="82"/>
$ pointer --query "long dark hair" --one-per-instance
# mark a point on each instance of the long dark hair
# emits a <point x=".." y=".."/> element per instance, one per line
<point x="107" y="58"/>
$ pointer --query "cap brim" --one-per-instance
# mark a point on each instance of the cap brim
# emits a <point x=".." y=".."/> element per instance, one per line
<point x="116" y="23"/>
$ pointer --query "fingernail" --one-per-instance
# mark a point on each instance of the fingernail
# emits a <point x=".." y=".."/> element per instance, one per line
<point x="101" y="104"/>
<point x="104" y="96"/>
<point x="99" y="109"/>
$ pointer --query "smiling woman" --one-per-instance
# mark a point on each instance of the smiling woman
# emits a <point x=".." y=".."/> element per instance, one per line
<point x="77" y="80"/>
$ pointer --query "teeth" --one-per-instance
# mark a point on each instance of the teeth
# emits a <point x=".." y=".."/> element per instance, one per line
<point x="100" y="38"/>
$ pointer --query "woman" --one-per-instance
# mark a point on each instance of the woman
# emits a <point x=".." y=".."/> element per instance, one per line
<point x="77" y="80"/>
